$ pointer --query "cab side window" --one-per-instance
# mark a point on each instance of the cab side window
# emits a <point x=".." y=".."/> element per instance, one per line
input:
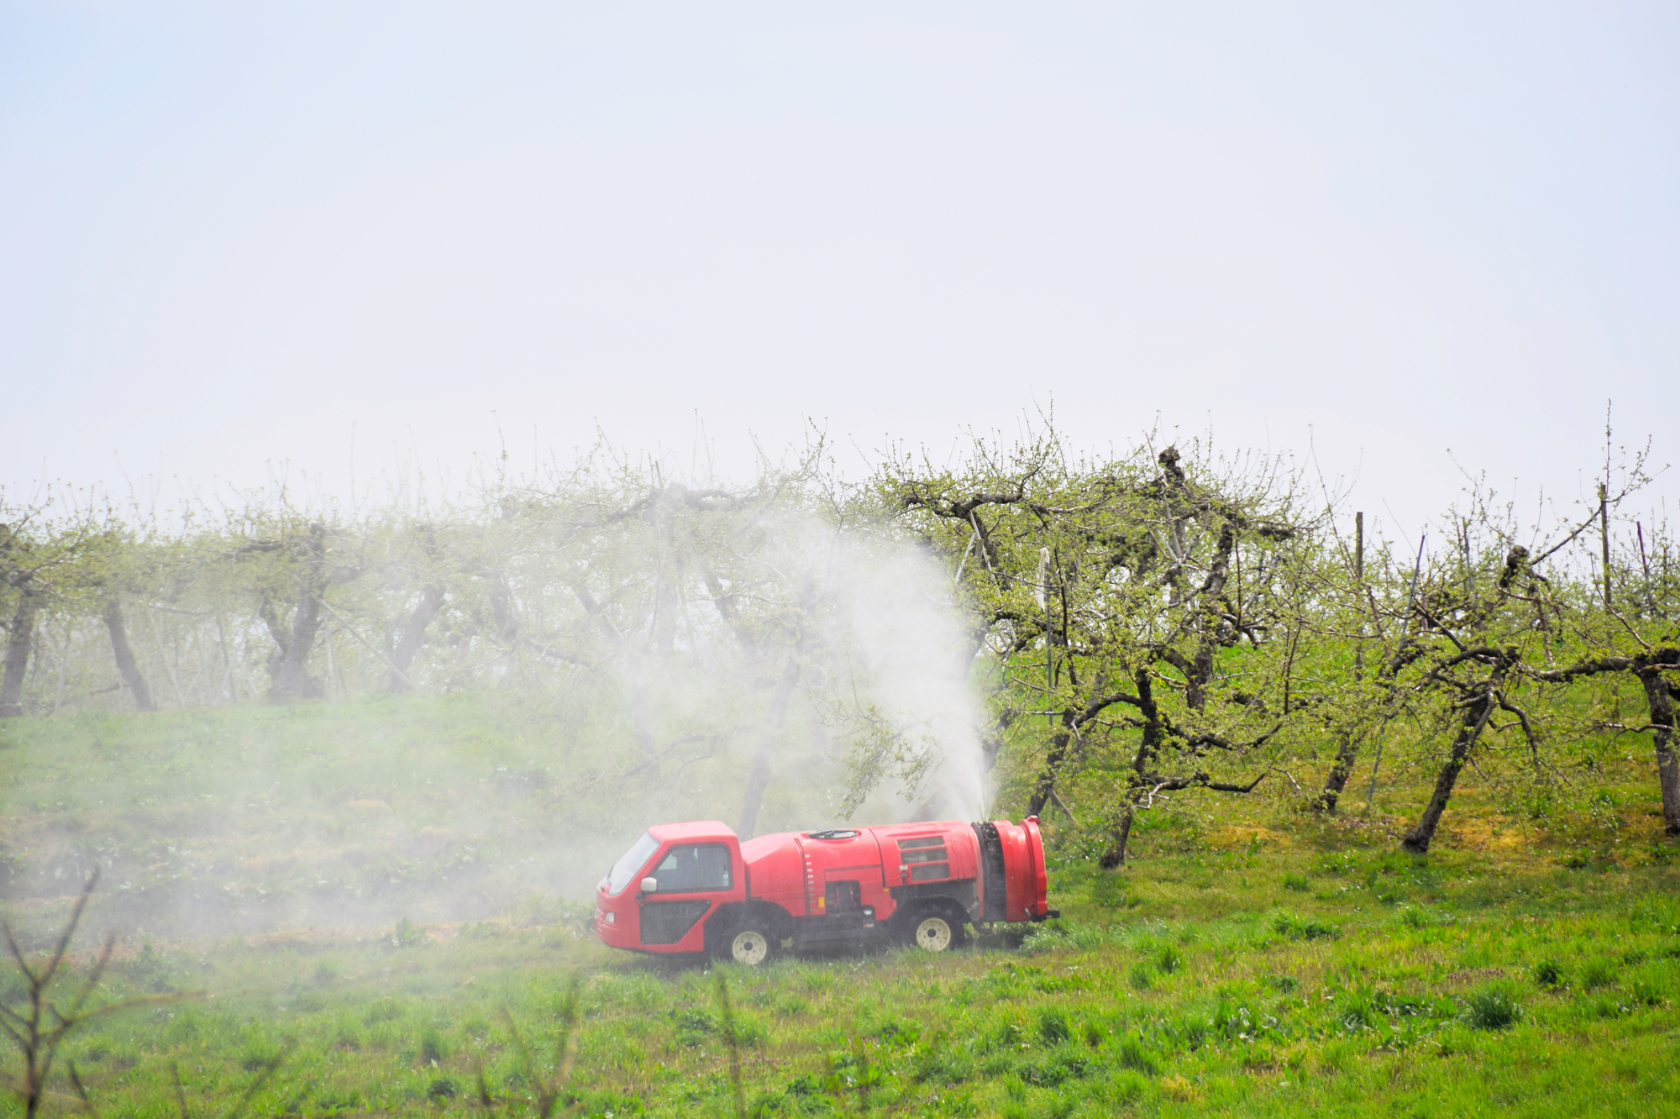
<point x="694" y="866"/>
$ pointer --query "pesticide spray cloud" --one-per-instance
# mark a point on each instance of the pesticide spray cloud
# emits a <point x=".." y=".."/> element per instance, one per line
<point x="578" y="659"/>
<point x="912" y="658"/>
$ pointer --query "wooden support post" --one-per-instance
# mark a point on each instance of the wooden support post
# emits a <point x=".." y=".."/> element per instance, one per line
<point x="1359" y="592"/>
<point x="1604" y="538"/>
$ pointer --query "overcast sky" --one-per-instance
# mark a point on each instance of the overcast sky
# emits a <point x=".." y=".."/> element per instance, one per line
<point x="238" y="235"/>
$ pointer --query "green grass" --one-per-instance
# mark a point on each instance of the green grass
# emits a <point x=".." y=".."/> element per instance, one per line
<point x="1247" y="1019"/>
<point x="1263" y="964"/>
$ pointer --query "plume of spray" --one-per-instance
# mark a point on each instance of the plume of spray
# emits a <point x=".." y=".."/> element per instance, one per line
<point x="585" y="674"/>
<point x="915" y="715"/>
<point x="838" y="692"/>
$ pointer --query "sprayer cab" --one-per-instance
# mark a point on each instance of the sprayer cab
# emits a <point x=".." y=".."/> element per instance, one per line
<point x="696" y="888"/>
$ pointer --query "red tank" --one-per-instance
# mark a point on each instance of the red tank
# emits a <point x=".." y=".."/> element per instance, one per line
<point x="695" y="888"/>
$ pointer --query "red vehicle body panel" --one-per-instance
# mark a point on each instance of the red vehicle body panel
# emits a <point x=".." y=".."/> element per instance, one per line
<point x="845" y="883"/>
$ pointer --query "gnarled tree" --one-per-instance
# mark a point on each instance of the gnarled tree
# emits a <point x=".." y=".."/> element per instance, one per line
<point x="1135" y="603"/>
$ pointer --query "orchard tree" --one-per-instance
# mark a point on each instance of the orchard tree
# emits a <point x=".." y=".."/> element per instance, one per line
<point x="1139" y="604"/>
<point x="1491" y="624"/>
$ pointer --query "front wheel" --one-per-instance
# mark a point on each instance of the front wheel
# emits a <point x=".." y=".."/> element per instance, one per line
<point x="748" y="945"/>
<point x="935" y="932"/>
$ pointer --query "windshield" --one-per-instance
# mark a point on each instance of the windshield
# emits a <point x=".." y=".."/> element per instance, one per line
<point x="634" y="859"/>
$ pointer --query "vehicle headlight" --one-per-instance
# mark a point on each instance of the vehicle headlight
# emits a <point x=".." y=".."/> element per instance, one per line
<point x="612" y="918"/>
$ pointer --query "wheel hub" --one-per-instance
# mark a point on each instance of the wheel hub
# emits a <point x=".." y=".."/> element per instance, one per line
<point x="933" y="934"/>
<point x="749" y="947"/>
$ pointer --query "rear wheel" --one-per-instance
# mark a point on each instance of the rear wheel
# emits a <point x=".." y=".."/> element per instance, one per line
<point x="934" y="930"/>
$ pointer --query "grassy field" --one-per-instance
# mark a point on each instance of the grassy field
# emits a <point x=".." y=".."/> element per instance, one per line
<point x="1258" y="962"/>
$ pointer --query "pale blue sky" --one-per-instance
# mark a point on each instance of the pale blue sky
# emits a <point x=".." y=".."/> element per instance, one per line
<point x="228" y="233"/>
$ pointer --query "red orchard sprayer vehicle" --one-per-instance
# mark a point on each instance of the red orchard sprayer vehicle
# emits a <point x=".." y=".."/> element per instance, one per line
<point x="696" y="888"/>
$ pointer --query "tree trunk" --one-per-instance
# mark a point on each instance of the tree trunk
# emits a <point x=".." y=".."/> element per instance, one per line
<point x="501" y="607"/>
<point x="124" y="655"/>
<point x="759" y="778"/>
<point x="1337" y="779"/>
<point x="1046" y="785"/>
<point x="1661" y="700"/>
<point x="1470" y="728"/>
<point x="1149" y="747"/>
<point x="1212" y="587"/>
<point x="17" y="654"/>
<point x="288" y="665"/>
<point x="1154" y="734"/>
<point x="431" y="601"/>
<point x="1115" y="857"/>
<point x="1196" y="680"/>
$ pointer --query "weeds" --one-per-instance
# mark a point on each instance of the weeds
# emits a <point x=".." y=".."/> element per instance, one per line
<point x="264" y="1071"/>
<point x="1492" y="1009"/>
<point x="1654" y="984"/>
<point x="1597" y="974"/>
<point x="1423" y="917"/>
<point x="39" y="1026"/>
<point x="1053" y="1026"/>
<point x="1296" y="927"/>
<point x="408" y="935"/>
<point x="726" y="1013"/>
<point x="551" y="1091"/>
<point x="433" y="1048"/>
<point x="1132" y="1055"/>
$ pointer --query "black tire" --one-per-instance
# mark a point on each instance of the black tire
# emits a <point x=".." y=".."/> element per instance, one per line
<point x="749" y="942"/>
<point x="932" y="928"/>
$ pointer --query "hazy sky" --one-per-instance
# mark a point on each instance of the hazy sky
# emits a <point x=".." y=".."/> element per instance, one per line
<point x="232" y="235"/>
